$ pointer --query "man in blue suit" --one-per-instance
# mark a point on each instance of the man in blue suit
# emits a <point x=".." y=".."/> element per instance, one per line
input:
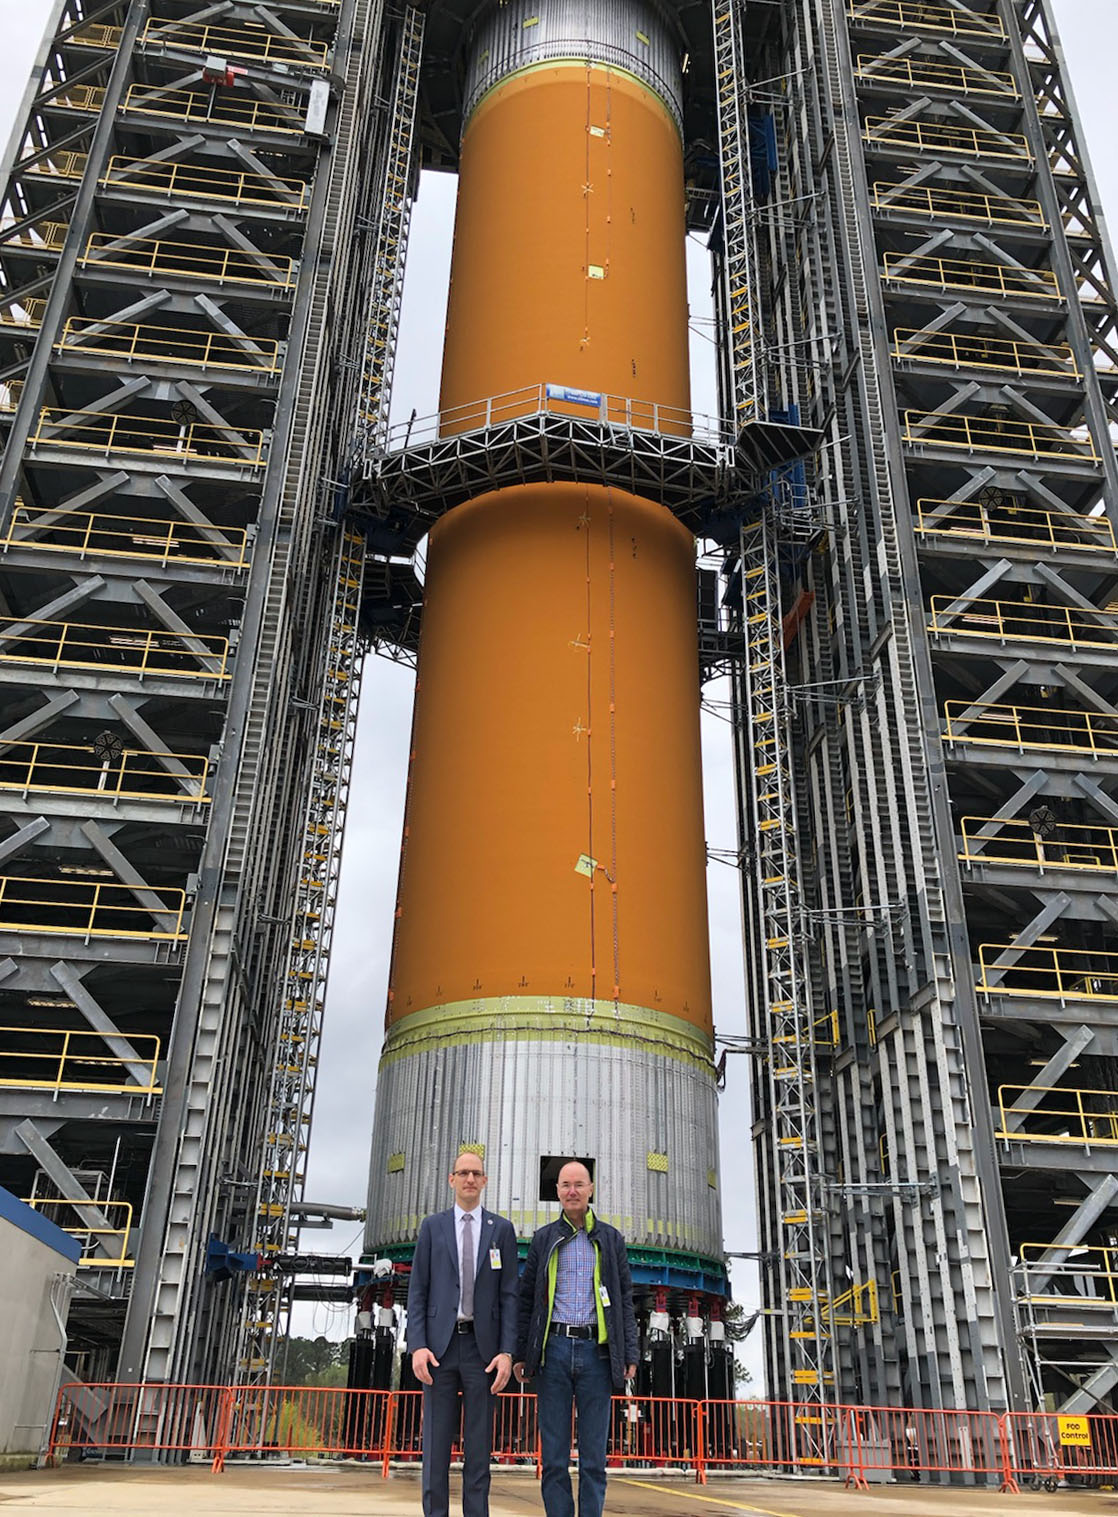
<point x="461" y="1332"/>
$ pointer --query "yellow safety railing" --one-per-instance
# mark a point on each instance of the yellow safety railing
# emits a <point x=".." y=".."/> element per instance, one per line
<point x="854" y="1308"/>
<point x="73" y="645"/>
<point x="105" y="432"/>
<point x="961" y="274"/>
<point x="106" y="38"/>
<point x="1064" y="1115"/>
<point x="254" y="42"/>
<point x="1069" y="846"/>
<point x="184" y="181"/>
<point x="132" y="774"/>
<point x="88" y="533"/>
<point x="79" y="97"/>
<point x="921" y="71"/>
<point x="945" y="137"/>
<point x="28" y="313"/>
<point x="75" y="1061"/>
<point x="1007" y="620"/>
<point x="958" y="205"/>
<point x="61" y="166"/>
<point x="826" y="1030"/>
<point x="10" y="391"/>
<point x="1006" y="521"/>
<point x="1065" y="974"/>
<point x="225" y="110"/>
<point x="1050" y="728"/>
<point x="926" y="17"/>
<point x="972" y="350"/>
<point x="1085" y="1271"/>
<point x="49" y="235"/>
<point x="129" y="340"/>
<point x="89" y="909"/>
<point x="150" y="255"/>
<point x="998" y="434"/>
<point x="93" y="1240"/>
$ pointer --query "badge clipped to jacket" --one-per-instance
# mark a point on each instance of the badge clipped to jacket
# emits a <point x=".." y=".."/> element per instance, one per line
<point x="604" y="1295"/>
<point x="494" y="1258"/>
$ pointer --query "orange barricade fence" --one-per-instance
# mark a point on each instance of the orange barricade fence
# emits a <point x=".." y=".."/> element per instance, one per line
<point x="1043" y="1448"/>
<point x="864" y="1444"/>
<point x="779" y="1437"/>
<point x="116" y="1418"/>
<point x="654" y="1432"/>
<point x="879" y="1443"/>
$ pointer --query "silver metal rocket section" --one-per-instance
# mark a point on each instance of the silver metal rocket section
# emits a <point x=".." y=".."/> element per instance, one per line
<point x="648" y="1121"/>
<point x="624" y="34"/>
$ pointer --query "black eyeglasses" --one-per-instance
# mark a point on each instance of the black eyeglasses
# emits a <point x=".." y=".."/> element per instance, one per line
<point x="469" y="1174"/>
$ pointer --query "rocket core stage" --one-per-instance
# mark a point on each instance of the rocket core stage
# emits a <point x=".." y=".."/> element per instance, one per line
<point x="550" y="988"/>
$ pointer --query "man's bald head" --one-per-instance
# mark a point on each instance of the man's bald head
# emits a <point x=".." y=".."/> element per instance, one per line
<point x="575" y="1189"/>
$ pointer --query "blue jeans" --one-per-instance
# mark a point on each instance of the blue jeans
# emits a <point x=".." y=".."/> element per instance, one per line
<point x="575" y="1373"/>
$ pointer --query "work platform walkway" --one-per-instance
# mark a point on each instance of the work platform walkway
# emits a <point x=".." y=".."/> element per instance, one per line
<point x="348" y="1492"/>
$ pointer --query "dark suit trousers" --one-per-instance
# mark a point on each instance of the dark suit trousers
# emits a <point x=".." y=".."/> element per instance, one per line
<point x="460" y="1369"/>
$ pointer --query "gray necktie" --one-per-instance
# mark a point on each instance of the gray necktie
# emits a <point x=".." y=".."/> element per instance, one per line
<point x="467" y="1308"/>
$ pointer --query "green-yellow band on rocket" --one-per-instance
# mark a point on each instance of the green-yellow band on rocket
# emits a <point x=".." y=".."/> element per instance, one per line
<point x="548" y="1019"/>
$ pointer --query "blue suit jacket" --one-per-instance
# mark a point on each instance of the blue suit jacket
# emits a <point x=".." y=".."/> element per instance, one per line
<point x="433" y="1286"/>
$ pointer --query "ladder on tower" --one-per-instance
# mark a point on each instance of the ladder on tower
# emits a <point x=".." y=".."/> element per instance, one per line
<point x="290" y="1101"/>
<point x="788" y="1041"/>
<point x="393" y="219"/>
<point x="739" y="258"/>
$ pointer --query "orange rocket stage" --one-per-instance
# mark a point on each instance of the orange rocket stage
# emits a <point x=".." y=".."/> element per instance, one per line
<point x="550" y="987"/>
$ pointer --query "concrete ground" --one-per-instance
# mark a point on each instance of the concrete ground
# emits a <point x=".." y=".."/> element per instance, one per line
<point x="96" y="1490"/>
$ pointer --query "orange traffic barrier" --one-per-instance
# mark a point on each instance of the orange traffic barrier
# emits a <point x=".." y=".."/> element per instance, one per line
<point x="1046" y="1448"/>
<point x="878" y="1442"/>
<point x="862" y="1444"/>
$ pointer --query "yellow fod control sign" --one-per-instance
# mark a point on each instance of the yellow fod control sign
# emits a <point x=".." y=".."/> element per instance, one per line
<point x="1075" y="1432"/>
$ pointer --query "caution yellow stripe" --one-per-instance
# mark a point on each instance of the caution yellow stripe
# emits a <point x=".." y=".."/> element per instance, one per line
<point x="736" y="1506"/>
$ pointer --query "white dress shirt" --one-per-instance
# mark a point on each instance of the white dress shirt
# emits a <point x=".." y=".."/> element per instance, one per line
<point x="475" y="1226"/>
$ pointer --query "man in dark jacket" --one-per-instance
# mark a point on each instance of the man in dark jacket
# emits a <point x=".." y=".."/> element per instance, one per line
<point x="461" y="1313"/>
<point x="577" y="1335"/>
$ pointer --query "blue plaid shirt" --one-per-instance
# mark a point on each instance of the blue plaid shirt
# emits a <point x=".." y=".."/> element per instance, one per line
<point x="574" y="1282"/>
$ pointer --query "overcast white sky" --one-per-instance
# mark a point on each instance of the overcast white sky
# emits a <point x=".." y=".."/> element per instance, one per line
<point x="347" y="1070"/>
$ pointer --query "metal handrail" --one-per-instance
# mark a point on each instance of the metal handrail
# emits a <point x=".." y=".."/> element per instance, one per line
<point x="1008" y="522"/>
<point x="152" y="255"/>
<point x="113" y="432"/>
<point x="48" y="235"/>
<point x="1066" y="974"/>
<point x="1009" y="620"/>
<point x="227" y="42"/>
<point x="133" y="774"/>
<point x="79" y="97"/>
<point x="962" y="205"/>
<point x="226" y="110"/>
<point x="998" y="434"/>
<point x="179" y="181"/>
<point x="530" y="401"/>
<point x="63" y="166"/>
<point x="969" y="274"/>
<point x="131" y="340"/>
<point x="85" y="1233"/>
<point x="1070" y="846"/>
<point x="972" y="350"/>
<point x="74" y="1068"/>
<point x="1057" y="728"/>
<point x="1094" y="1125"/>
<point x="948" y="76"/>
<point x="929" y="18"/>
<point x="1086" y="1261"/>
<point x="137" y="650"/>
<point x="86" y="533"/>
<point x="32" y="317"/>
<point x="32" y="904"/>
<point x="106" y="38"/>
<point x="946" y="137"/>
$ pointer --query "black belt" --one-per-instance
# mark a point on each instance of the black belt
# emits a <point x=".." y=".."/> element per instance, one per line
<point x="464" y="1326"/>
<point x="570" y="1330"/>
